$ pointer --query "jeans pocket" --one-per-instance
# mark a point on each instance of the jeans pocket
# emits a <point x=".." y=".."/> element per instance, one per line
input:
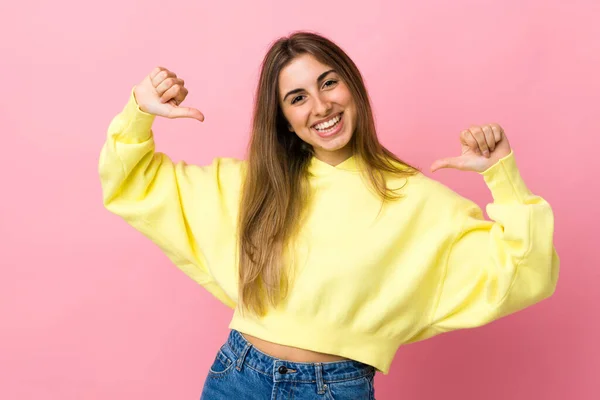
<point x="223" y="363"/>
<point x="360" y="388"/>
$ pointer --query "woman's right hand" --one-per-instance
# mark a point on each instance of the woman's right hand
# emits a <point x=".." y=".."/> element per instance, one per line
<point x="161" y="93"/>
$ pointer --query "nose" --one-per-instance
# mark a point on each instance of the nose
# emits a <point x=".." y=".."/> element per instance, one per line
<point x="322" y="106"/>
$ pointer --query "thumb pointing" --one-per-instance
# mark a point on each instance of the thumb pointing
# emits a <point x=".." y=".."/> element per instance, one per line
<point x="186" y="112"/>
<point x="452" y="162"/>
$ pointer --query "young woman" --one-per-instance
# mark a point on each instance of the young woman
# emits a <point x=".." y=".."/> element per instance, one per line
<point x="331" y="250"/>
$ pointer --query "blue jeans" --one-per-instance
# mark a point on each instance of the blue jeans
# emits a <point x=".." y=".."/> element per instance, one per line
<point x="240" y="371"/>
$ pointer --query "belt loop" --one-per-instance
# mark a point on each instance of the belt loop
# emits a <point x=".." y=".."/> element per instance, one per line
<point x="240" y="360"/>
<point x="320" y="384"/>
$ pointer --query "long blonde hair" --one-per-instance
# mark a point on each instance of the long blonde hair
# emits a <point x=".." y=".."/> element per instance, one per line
<point x="275" y="187"/>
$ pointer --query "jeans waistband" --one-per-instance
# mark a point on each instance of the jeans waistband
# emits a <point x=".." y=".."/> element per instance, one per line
<point x="283" y="370"/>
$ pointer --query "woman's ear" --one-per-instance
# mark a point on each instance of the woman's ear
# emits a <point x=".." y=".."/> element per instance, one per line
<point x="290" y="128"/>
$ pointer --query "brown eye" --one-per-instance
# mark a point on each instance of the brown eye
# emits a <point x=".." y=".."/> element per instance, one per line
<point x="296" y="99"/>
<point x="330" y="83"/>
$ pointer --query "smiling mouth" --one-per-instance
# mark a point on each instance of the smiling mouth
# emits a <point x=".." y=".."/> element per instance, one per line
<point x="328" y="126"/>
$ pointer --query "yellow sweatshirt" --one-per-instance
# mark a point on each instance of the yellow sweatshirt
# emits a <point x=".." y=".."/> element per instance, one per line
<point x="365" y="280"/>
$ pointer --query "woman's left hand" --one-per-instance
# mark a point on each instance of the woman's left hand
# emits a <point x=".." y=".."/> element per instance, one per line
<point x="482" y="147"/>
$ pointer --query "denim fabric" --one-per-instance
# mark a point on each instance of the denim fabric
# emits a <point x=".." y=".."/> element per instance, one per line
<point x="240" y="371"/>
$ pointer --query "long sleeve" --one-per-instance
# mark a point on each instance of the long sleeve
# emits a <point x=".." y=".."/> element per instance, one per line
<point x="186" y="210"/>
<point x="498" y="267"/>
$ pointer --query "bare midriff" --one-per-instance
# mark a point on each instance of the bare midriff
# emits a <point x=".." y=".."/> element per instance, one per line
<point x="289" y="353"/>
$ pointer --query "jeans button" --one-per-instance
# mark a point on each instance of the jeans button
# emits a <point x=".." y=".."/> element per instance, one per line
<point x="282" y="369"/>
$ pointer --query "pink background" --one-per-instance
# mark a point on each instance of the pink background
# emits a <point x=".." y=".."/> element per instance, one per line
<point x="89" y="309"/>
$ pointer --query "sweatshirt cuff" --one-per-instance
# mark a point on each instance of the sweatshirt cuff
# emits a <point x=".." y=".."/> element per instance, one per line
<point x="139" y="123"/>
<point x="505" y="182"/>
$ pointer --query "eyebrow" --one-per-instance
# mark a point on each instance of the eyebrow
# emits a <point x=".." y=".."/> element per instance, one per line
<point x="319" y="79"/>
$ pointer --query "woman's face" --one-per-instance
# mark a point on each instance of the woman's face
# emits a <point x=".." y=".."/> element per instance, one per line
<point x="318" y="107"/>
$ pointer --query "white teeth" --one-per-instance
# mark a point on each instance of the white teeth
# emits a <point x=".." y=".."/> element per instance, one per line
<point x="330" y="123"/>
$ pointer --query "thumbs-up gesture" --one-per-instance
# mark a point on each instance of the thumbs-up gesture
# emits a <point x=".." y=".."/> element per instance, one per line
<point x="161" y="93"/>
<point x="482" y="147"/>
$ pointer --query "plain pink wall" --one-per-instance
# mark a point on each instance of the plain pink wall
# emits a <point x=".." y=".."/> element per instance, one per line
<point x="89" y="309"/>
